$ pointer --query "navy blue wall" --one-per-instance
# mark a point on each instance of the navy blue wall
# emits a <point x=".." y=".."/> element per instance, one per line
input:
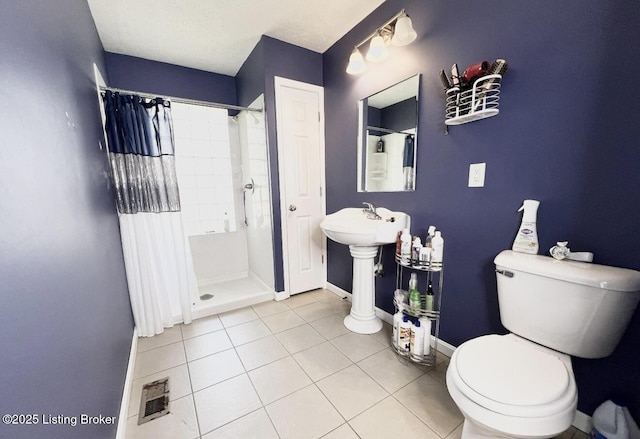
<point x="143" y="75"/>
<point x="566" y="135"/>
<point x="65" y="318"/>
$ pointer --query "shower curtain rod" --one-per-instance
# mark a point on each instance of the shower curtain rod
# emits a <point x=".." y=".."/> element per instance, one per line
<point x="181" y="100"/>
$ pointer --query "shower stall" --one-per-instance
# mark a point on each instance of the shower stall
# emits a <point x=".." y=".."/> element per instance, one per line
<point x="223" y="177"/>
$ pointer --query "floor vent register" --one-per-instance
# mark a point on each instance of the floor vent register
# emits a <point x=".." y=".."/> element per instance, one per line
<point x="155" y="400"/>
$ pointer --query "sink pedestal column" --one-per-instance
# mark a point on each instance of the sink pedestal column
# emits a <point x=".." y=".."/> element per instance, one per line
<point x="362" y="318"/>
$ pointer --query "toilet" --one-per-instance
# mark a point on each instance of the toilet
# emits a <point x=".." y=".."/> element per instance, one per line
<point x="521" y="385"/>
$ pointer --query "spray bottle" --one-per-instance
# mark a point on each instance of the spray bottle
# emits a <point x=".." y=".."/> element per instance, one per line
<point x="527" y="238"/>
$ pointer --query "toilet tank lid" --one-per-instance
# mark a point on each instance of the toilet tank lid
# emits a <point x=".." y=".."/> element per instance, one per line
<point x="594" y="275"/>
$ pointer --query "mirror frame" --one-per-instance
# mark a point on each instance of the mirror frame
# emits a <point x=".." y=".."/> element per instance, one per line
<point x="363" y="137"/>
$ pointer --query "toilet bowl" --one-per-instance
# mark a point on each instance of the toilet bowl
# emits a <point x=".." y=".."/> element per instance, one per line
<point x="521" y="385"/>
<point x="509" y="387"/>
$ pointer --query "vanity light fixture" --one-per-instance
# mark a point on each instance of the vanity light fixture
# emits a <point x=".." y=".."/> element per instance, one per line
<point x="397" y="31"/>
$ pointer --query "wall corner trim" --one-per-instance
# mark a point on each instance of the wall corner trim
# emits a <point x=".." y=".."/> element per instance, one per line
<point x="128" y="384"/>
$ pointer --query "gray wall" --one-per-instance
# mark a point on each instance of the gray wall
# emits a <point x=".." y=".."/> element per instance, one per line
<point x="65" y="319"/>
<point x="566" y="135"/>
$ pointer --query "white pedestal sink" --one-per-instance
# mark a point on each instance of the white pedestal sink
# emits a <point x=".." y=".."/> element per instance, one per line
<point x="363" y="235"/>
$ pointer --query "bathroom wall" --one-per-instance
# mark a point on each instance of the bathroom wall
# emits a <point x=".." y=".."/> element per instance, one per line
<point x="65" y="320"/>
<point x="566" y="135"/>
<point x="132" y="73"/>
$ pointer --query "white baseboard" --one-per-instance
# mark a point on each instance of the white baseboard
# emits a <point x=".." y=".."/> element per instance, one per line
<point x="128" y="383"/>
<point x="280" y="295"/>
<point x="581" y="421"/>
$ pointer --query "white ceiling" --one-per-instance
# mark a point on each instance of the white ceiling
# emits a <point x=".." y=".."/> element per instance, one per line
<point x="218" y="35"/>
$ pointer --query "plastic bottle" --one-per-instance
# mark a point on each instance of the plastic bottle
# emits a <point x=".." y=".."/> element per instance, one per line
<point x="405" y="247"/>
<point x="428" y="305"/>
<point x="425" y="323"/>
<point x="425" y="256"/>
<point x="415" y="250"/>
<point x="527" y="238"/>
<point x="437" y="251"/>
<point x="416" y="345"/>
<point x="397" y="318"/>
<point x="414" y="294"/>
<point x="430" y="234"/>
<point x="404" y="335"/>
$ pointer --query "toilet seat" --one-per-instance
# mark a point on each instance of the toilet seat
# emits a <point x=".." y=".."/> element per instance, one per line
<point x="513" y="377"/>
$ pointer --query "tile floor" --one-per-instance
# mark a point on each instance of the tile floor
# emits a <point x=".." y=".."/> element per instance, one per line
<point x="290" y="370"/>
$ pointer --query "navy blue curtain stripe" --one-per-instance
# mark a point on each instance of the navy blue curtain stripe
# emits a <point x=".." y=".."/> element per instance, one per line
<point x="141" y="148"/>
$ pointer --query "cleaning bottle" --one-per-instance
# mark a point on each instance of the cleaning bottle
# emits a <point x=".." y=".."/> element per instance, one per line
<point x="428" y="306"/>
<point x="416" y="344"/>
<point x="404" y="335"/>
<point x="405" y="247"/>
<point x="527" y="238"/>
<point x="430" y="234"/>
<point x="415" y="250"/>
<point x="437" y="251"/>
<point x="425" y="323"/>
<point x="414" y="294"/>
<point x="397" y="318"/>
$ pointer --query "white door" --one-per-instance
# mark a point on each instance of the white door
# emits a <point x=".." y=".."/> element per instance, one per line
<point x="300" y="135"/>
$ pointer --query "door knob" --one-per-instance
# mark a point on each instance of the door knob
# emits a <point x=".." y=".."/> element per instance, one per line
<point x="292" y="208"/>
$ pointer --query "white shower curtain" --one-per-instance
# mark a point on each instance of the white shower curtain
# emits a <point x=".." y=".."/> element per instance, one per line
<point x="156" y="253"/>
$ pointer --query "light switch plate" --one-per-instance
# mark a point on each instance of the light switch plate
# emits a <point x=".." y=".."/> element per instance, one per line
<point x="476" y="174"/>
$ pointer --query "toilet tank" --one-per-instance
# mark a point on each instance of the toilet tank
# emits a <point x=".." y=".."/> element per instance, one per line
<point x="578" y="308"/>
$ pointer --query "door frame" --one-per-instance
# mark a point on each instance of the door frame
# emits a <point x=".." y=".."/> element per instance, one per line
<point x="280" y="83"/>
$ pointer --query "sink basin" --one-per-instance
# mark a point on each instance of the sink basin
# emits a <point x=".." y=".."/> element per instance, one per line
<point x="350" y="226"/>
<point x="363" y="235"/>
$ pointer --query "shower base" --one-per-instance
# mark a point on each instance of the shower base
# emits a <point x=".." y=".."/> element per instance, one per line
<point x="230" y="295"/>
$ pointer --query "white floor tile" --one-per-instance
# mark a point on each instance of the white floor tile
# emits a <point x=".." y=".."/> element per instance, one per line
<point x="283" y="321"/>
<point x="179" y="386"/>
<point x="225" y="402"/>
<point x="255" y="425"/>
<point x="162" y="358"/>
<point x="314" y="311"/>
<point x="180" y="423"/>
<point x="389" y="419"/>
<point x="278" y="379"/>
<point x="343" y="432"/>
<point x="357" y="346"/>
<point x="261" y="352"/>
<point x="341" y="307"/>
<point x="383" y="336"/>
<point x="322" y="360"/>
<point x="305" y="414"/>
<point x="238" y="316"/>
<point x="201" y="326"/>
<point x="429" y="400"/>
<point x="389" y="370"/>
<point x="214" y="369"/>
<point x="268" y="308"/>
<point x="322" y="294"/>
<point x="330" y="327"/>
<point x="299" y="338"/>
<point x="351" y="391"/>
<point x="169" y="336"/>
<point x="301" y="299"/>
<point x="247" y="332"/>
<point x="207" y="344"/>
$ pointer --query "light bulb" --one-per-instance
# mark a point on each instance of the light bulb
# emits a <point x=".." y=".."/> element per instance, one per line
<point x="356" y="63"/>
<point x="377" y="50"/>
<point x="403" y="33"/>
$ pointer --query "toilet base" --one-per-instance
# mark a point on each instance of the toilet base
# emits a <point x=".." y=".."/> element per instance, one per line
<point x="471" y="430"/>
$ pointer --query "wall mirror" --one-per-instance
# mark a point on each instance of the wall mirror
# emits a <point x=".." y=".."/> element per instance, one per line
<point x="387" y="133"/>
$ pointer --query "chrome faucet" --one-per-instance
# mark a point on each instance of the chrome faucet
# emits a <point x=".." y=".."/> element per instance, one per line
<point x="370" y="211"/>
